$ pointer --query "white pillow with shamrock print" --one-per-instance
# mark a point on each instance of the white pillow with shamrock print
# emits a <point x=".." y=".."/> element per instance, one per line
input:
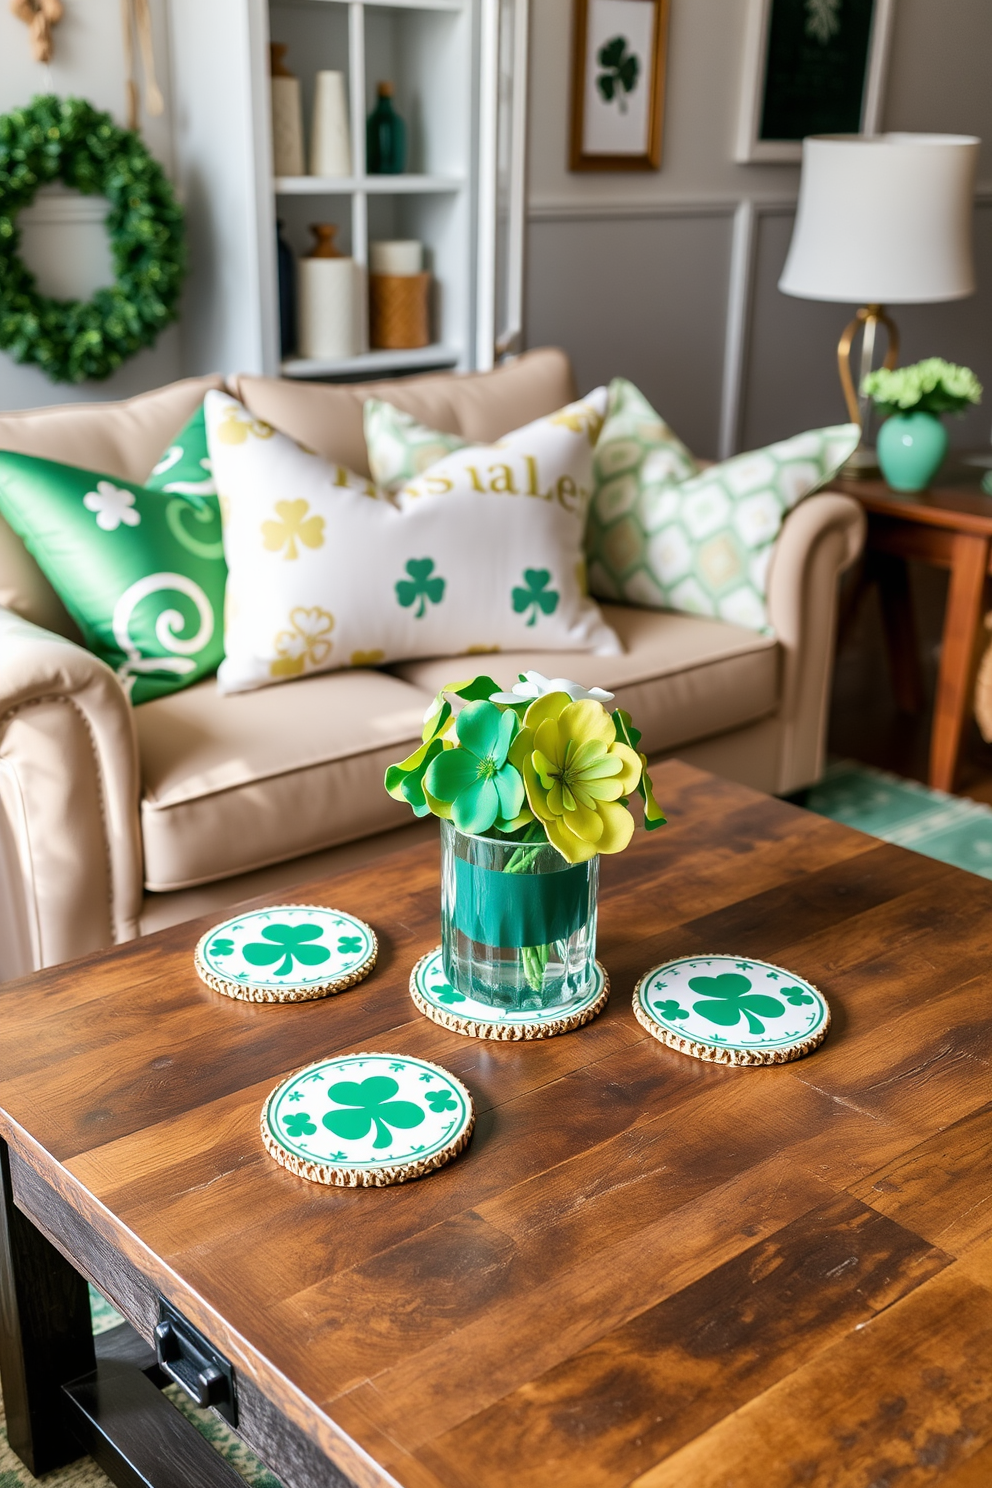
<point x="664" y="534"/>
<point x="481" y="553"/>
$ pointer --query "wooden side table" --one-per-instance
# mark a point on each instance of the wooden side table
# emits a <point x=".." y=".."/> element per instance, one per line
<point x="949" y="526"/>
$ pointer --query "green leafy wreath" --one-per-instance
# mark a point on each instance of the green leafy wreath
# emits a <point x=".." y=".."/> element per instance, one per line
<point x="70" y="340"/>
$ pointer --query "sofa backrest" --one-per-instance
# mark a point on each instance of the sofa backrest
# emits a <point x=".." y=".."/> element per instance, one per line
<point x="123" y="439"/>
<point x="480" y="406"/>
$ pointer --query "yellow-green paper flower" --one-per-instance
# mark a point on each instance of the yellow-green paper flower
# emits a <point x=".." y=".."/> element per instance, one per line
<point x="575" y="773"/>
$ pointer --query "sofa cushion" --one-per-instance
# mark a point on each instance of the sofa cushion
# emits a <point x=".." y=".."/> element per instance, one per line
<point x="481" y="406"/>
<point x="124" y="439"/>
<point x="485" y="549"/>
<point x="682" y="677"/>
<point x="234" y="783"/>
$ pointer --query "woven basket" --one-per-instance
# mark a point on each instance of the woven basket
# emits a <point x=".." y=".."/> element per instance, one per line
<point x="398" y="311"/>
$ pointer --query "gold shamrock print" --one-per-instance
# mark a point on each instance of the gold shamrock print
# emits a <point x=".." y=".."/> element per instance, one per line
<point x="307" y="644"/>
<point x="293" y="524"/>
<point x="235" y="430"/>
<point x="367" y="658"/>
<point x="581" y="418"/>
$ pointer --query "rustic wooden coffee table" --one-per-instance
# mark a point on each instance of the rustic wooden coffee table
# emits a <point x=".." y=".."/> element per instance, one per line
<point x="644" y="1269"/>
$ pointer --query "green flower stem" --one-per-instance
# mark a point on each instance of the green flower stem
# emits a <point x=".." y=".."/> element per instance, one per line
<point x="535" y="960"/>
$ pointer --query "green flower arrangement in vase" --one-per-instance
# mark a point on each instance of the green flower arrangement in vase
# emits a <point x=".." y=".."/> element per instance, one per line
<point x="531" y="786"/>
<point x="912" y="441"/>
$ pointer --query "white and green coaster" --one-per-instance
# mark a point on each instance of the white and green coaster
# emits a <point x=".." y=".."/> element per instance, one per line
<point x="288" y="953"/>
<point x="365" y="1120"/>
<point x="437" y="999"/>
<point x="731" y="1010"/>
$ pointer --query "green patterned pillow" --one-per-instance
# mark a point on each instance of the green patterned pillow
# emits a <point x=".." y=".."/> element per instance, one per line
<point x="665" y="534"/>
<point x="141" y="571"/>
<point x="399" y="448"/>
<point x="185" y="467"/>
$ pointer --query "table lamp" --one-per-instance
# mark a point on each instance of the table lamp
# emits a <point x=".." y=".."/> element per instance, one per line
<point x="882" y="220"/>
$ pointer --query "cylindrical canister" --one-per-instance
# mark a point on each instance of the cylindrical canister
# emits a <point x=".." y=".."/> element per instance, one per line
<point x="396" y="256"/>
<point x="327" y="327"/>
<point x="287" y="117"/>
<point x="399" y="317"/>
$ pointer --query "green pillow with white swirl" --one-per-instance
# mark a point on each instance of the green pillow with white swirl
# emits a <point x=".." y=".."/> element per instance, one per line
<point x="140" y="570"/>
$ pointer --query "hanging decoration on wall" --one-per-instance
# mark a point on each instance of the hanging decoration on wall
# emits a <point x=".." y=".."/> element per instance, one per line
<point x="71" y="340"/>
<point x="810" y="67"/>
<point x="39" y="16"/>
<point x="137" y="18"/>
<point x="618" y="84"/>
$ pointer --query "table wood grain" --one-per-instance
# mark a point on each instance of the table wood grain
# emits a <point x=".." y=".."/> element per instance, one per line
<point x="644" y="1269"/>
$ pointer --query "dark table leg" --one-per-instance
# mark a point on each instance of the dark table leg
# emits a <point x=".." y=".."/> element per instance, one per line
<point x="900" y="629"/>
<point x="46" y="1337"/>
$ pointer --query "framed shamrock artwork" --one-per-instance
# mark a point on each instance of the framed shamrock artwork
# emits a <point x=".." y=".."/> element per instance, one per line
<point x="810" y="67"/>
<point x="618" y="84"/>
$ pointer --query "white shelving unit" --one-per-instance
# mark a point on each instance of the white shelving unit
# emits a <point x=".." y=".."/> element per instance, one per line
<point x="459" y="72"/>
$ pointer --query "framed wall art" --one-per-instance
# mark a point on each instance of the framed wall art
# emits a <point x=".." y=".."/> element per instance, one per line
<point x="618" y="84"/>
<point x="811" y="67"/>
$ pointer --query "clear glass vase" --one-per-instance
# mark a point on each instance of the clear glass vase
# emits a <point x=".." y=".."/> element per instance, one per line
<point x="518" y="923"/>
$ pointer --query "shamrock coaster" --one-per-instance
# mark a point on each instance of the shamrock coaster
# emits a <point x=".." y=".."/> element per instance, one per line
<point x="289" y="953"/>
<point x="437" y="1000"/>
<point x="686" y="1004"/>
<point x="365" y="1120"/>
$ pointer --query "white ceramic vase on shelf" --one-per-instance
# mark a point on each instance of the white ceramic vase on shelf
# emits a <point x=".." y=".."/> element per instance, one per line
<point x="287" y="116"/>
<point x="330" y="141"/>
<point x="327" y="321"/>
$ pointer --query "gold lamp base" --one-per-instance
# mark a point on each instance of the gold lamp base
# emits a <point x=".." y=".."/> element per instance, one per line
<point x="863" y="464"/>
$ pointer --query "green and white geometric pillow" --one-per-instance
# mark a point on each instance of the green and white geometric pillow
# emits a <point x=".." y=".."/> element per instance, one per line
<point x="483" y="552"/>
<point x="703" y="544"/>
<point x="400" y="448"/>
<point x="635" y="456"/>
<point x="141" y="572"/>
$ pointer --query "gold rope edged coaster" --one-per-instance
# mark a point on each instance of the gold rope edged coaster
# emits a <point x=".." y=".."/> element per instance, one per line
<point x="738" y="1057"/>
<point x="354" y="1176"/>
<point x="245" y="991"/>
<point x="474" y="1027"/>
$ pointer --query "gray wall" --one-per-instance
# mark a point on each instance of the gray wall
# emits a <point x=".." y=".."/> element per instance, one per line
<point x="631" y="273"/>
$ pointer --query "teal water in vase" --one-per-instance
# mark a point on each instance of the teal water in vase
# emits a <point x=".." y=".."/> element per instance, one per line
<point x="518" y="923"/>
<point x="911" y="447"/>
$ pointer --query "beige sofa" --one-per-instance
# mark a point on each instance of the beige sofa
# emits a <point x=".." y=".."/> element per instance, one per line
<point x="115" y="820"/>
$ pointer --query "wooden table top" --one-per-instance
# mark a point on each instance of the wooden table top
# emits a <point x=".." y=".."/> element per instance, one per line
<point x="957" y="501"/>
<point x="644" y="1269"/>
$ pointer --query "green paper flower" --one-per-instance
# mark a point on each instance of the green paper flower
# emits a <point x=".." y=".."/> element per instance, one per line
<point x="476" y="779"/>
<point x="577" y="774"/>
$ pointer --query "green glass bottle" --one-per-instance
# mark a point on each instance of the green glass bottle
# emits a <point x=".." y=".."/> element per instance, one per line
<point x="385" y="137"/>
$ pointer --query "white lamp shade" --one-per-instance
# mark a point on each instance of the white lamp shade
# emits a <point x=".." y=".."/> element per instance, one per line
<point x="884" y="220"/>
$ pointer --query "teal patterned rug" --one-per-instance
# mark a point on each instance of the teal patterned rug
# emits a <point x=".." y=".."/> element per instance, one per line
<point x="951" y="828"/>
<point x="85" y="1474"/>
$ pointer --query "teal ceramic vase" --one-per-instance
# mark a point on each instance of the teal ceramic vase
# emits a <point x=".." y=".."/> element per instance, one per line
<point x="911" y="447"/>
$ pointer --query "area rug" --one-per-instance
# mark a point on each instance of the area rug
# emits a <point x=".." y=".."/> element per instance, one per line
<point x="86" y="1474"/>
<point x="950" y="828"/>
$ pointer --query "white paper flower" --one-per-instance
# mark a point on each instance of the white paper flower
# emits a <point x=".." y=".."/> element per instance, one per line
<point x="113" y="505"/>
<point x="533" y="685"/>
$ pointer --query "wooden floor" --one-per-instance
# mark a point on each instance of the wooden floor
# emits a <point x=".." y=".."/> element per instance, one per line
<point x="865" y="723"/>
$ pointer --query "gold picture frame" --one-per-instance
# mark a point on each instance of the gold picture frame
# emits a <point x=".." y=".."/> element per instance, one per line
<point x="619" y="52"/>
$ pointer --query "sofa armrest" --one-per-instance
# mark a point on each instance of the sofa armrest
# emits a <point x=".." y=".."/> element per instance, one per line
<point x="819" y="540"/>
<point x="70" y="838"/>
